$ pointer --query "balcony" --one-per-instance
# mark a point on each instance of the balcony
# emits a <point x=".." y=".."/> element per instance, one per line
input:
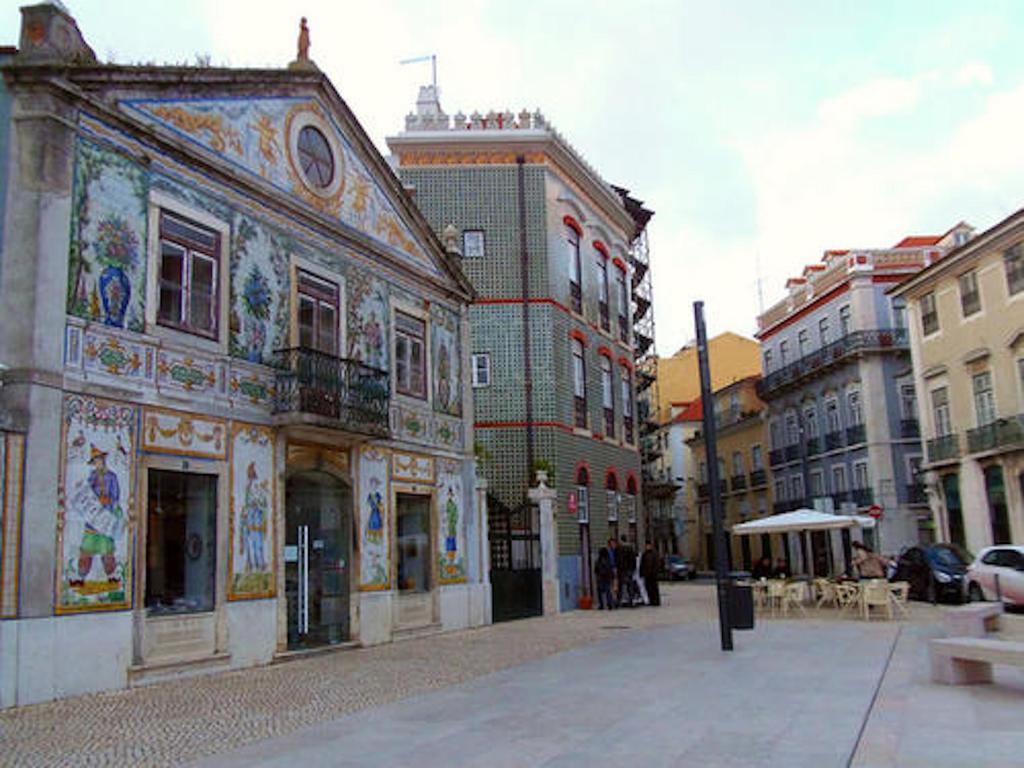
<point x="839" y="498"/>
<point x="817" y="362"/>
<point x="910" y="428"/>
<point x="739" y="482"/>
<point x="813" y="446"/>
<point x="1001" y="433"/>
<point x="627" y="430"/>
<point x="702" y="490"/>
<point x="344" y="391"/>
<point x="833" y="440"/>
<point x="758" y="478"/>
<point x="856" y="434"/>
<point x="792" y="452"/>
<point x="623" y="329"/>
<point x="944" y="448"/>
<point x="915" y="494"/>
<point x="776" y="456"/>
<point x="788" y="505"/>
<point x="862" y="497"/>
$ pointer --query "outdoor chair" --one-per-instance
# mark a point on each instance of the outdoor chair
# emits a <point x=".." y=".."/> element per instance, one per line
<point x="825" y="592"/>
<point x="793" y="597"/>
<point x="848" y="595"/>
<point x="776" y="595"/>
<point x="899" y="593"/>
<point x="876" y="595"/>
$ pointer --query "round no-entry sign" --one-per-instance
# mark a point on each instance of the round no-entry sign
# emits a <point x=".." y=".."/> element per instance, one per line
<point x="571" y="503"/>
<point x="875" y="511"/>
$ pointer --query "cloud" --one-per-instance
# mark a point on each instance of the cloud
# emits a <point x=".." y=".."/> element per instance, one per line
<point x="974" y="73"/>
<point x="882" y="96"/>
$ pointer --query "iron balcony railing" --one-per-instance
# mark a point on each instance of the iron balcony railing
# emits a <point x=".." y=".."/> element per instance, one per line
<point x="856" y="434"/>
<point x="776" y="456"/>
<point x="792" y="452"/>
<point x="916" y="494"/>
<point x="813" y="446"/>
<point x="833" y="440"/>
<point x="757" y="478"/>
<point x="862" y="497"/>
<point x="1000" y="433"/>
<point x="320" y="384"/>
<point x="910" y="428"/>
<point x="839" y="498"/>
<point x="880" y="340"/>
<point x="739" y="482"/>
<point x="944" y="448"/>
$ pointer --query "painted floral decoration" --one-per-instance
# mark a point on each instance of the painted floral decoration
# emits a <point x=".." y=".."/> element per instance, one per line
<point x="256" y="294"/>
<point x="117" y="245"/>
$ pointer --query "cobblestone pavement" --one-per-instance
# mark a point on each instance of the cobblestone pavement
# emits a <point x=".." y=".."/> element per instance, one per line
<point x="182" y="721"/>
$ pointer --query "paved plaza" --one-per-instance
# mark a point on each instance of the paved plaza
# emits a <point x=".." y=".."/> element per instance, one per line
<point x="647" y="686"/>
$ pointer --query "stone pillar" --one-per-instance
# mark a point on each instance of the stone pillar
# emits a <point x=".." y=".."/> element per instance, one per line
<point x="483" y="533"/>
<point x="544" y="498"/>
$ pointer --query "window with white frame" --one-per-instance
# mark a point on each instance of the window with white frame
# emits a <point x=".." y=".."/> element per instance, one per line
<point x="775" y="431"/>
<point x="860" y="475"/>
<point x="317" y="307"/>
<point x="188" y="276"/>
<point x="579" y="383"/>
<point x="623" y="309"/>
<point x="823" y="331"/>
<point x="810" y="423"/>
<point x="832" y="420"/>
<point x="626" y="381"/>
<point x="838" y="479"/>
<point x="767" y="361"/>
<point x="783" y="352"/>
<point x="603" y="299"/>
<point x="817" y="484"/>
<point x="572" y="241"/>
<point x="482" y="369"/>
<point x="780" y="489"/>
<point x="1013" y="262"/>
<point x="970" y="297"/>
<point x="929" y="314"/>
<point x="473" y="243"/>
<point x="737" y="463"/>
<point x="607" y="396"/>
<point x="845" y="320"/>
<point x="796" y="484"/>
<point x="941" y="412"/>
<point x="899" y="314"/>
<point x="908" y="402"/>
<point x="854" y="407"/>
<point x="802" y="341"/>
<point x="984" y="398"/>
<point x="410" y="356"/>
<point x="756" y="459"/>
<point x="792" y="429"/>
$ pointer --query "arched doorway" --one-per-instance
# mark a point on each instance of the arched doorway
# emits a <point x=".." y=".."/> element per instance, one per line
<point x="318" y="559"/>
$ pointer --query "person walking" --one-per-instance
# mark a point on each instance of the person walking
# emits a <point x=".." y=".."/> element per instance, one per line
<point x="605" y="575"/>
<point x="625" y="564"/>
<point x="649" y="573"/>
<point x="613" y="559"/>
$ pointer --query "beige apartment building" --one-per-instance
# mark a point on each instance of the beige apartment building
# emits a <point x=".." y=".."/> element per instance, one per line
<point x="966" y="315"/>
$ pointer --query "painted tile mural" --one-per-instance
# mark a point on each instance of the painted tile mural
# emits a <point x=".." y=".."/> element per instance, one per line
<point x="95" y="519"/>
<point x="107" y="261"/>
<point x="251" y="559"/>
<point x="451" y="545"/>
<point x="447" y="368"/>
<point x="368" y="320"/>
<point x="260" y="136"/>
<point x="259" y="291"/>
<point x="373" y="519"/>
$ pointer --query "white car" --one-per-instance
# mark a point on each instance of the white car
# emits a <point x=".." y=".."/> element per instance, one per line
<point x="1005" y="561"/>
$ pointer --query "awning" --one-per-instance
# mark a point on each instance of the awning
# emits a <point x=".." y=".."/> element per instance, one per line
<point x="802" y="520"/>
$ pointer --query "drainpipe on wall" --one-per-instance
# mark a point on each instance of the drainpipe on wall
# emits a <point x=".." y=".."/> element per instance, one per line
<point x="524" y="278"/>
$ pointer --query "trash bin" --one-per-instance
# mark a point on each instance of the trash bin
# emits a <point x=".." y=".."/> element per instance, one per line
<point x="741" y="603"/>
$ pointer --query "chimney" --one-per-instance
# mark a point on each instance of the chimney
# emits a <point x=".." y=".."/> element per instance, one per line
<point x="49" y="34"/>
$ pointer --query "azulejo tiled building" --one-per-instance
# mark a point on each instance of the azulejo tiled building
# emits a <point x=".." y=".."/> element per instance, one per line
<point x="235" y="403"/>
<point x="546" y="242"/>
<point x="839" y="391"/>
<point x="966" y="320"/>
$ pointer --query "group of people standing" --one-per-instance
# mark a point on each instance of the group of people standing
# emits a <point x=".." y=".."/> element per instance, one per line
<point x="617" y="570"/>
<point x="866" y="564"/>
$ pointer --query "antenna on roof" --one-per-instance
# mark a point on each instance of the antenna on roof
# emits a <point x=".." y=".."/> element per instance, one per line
<point x="432" y="58"/>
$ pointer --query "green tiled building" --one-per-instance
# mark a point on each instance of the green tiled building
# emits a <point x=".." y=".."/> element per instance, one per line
<point x="547" y="244"/>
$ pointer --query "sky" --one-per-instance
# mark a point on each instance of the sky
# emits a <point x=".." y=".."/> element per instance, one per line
<point x="761" y="133"/>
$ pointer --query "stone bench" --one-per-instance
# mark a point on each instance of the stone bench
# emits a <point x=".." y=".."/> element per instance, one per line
<point x="972" y="620"/>
<point x="966" y="660"/>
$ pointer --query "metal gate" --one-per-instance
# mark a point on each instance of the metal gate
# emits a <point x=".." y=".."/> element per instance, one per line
<point x="515" y="561"/>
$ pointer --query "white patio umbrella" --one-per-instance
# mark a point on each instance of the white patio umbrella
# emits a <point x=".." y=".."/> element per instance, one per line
<point x="802" y="521"/>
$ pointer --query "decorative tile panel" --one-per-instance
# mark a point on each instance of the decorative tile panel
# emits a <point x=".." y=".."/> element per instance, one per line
<point x="12" y="466"/>
<point x="253" y="501"/>
<point x="183" y="434"/>
<point x="187" y="372"/>
<point x="374" y="520"/>
<point x="451" y="529"/>
<point x="412" y="467"/>
<point x="95" y="520"/>
<point x="251" y="387"/>
<point x="109" y="356"/>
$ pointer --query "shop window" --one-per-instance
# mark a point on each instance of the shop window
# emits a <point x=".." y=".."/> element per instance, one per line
<point x="410" y="356"/>
<point x="181" y="542"/>
<point x="412" y="540"/>
<point x="187" y="276"/>
<point x="317" y="308"/>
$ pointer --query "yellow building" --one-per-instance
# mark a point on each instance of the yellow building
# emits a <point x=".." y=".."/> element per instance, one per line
<point x="743" y="475"/>
<point x="732" y="357"/>
<point x="966" y="319"/>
